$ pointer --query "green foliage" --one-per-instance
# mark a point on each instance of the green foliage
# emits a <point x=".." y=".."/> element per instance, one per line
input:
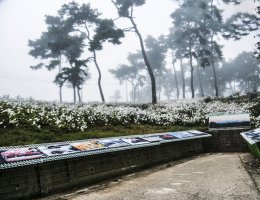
<point x="257" y="50"/>
<point x="244" y="70"/>
<point x="197" y="27"/>
<point x="124" y="6"/>
<point x="236" y="2"/>
<point x="83" y="16"/>
<point x="105" y="32"/>
<point x="239" y="25"/>
<point x="74" y="75"/>
<point x="79" y="14"/>
<point x="156" y="51"/>
<point x="126" y="72"/>
<point x="65" y="39"/>
<point x="190" y="34"/>
<point x="56" y="42"/>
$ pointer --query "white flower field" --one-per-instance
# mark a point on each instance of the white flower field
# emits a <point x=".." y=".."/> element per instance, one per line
<point x="71" y="118"/>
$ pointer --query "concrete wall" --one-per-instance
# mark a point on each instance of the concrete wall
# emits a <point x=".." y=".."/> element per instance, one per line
<point x="227" y="141"/>
<point x="58" y="175"/>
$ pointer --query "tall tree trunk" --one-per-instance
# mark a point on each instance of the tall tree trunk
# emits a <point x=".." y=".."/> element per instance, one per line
<point x="214" y="71"/>
<point x="97" y="66"/>
<point x="79" y="96"/>
<point x="126" y="91"/>
<point x="212" y="55"/>
<point x="99" y="77"/>
<point x="133" y="91"/>
<point x="159" y="88"/>
<point x="231" y="88"/>
<point x="175" y="77"/>
<point x="200" y="82"/>
<point x="74" y="94"/>
<point x="183" y="79"/>
<point x="191" y="71"/>
<point x="60" y="93"/>
<point x="234" y="86"/>
<point x="146" y="61"/>
<point x="191" y="78"/>
<point x="255" y="86"/>
<point x="60" y="86"/>
<point x="138" y="92"/>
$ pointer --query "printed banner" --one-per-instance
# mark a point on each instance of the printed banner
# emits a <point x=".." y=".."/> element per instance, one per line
<point x="88" y="145"/>
<point x="20" y="154"/>
<point x="55" y="150"/>
<point x="229" y="121"/>
<point x="152" y="138"/>
<point x="135" y="140"/>
<point x="112" y="143"/>
<point x="254" y="134"/>
<point x="181" y="134"/>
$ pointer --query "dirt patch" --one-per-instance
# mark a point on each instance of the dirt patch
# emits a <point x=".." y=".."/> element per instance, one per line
<point x="252" y="166"/>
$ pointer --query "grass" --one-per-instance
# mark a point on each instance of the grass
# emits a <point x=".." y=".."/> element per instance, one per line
<point x="13" y="137"/>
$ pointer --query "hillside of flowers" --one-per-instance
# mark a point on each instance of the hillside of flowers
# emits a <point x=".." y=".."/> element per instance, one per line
<point x="69" y="118"/>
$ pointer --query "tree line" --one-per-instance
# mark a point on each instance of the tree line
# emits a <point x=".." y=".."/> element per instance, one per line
<point x="74" y="36"/>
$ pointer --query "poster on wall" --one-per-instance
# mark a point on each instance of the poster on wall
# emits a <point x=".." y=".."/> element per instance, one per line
<point x="229" y="121"/>
<point x="113" y="143"/>
<point x="152" y="138"/>
<point x="135" y="140"/>
<point x="88" y="145"/>
<point x="20" y="154"/>
<point x="254" y="134"/>
<point x="181" y="134"/>
<point x="55" y="150"/>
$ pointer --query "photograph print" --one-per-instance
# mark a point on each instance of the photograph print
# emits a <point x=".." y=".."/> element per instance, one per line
<point x="113" y="143"/>
<point x="135" y="140"/>
<point x="181" y="134"/>
<point x="56" y="150"/>
<point x="152" y="138"/>
<point x="20" y="154"/>
<point x="168" y="136"/>
<point x="254" y="134"/>
<point x="88" y="145"/>
<point x="229" y="121"/>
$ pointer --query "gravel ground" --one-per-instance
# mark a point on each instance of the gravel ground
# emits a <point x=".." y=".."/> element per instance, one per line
<point x="211" y="176"/>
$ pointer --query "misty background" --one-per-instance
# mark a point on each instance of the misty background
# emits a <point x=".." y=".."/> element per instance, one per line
<point x="23" y="20"/>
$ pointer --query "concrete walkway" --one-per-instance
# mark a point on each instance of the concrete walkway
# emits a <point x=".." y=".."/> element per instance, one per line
<point x="213" y="177"/>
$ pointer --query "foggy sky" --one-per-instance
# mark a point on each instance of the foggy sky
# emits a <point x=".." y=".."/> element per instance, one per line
<point x="21" y="20"/>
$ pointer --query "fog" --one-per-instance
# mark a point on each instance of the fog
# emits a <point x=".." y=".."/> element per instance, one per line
<point x="22" y="20"/>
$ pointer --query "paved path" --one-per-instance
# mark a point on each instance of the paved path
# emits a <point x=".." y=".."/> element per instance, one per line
<point x="213" y="177"/>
